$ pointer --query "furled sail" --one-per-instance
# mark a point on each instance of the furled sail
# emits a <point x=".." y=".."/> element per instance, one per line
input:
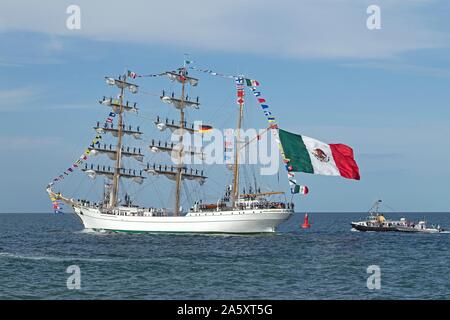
<point x="122" y="84"/>
<point x="107" y="171"/>
<point x="172" y="125"/>
<point x="173" y="149"/>
<point x="115" y="105"/>
<point x="111" y="152"/>
<point x="175" y="76"/>
<point x="110" y="128"/>
<point x="170" y="172"/>
<point x="179" y="103"/>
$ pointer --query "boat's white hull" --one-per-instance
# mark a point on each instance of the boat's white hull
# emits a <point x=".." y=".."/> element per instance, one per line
<point x="244" y="221"/>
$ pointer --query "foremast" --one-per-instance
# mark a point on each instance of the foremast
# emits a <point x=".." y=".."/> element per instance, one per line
<point x="118" y="108"/>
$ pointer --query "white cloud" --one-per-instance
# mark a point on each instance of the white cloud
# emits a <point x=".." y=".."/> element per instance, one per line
<point x="4" y="63"/>
<point x="396" y="66"/>
<point x="27" y="98"/>
<point x="18" y="143"/>
<point x="319" y="28"/>
<point x="23" y="61"/>
<point x="15" y="99"/>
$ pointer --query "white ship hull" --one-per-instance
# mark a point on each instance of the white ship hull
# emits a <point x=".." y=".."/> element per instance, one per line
<point x="243" y="221"/>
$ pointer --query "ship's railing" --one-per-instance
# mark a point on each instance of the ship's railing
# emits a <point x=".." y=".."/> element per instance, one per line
<point x="158" y="212"/>
<point x="252" y="206"/>
<point x="140" y="212"/>
<point x="125" y="211"/>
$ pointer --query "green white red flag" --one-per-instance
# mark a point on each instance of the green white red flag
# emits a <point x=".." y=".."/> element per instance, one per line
<point x="309" y="155"/>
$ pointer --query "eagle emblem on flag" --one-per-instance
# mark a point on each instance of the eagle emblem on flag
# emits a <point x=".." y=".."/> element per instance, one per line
<point x="320" y="155"/>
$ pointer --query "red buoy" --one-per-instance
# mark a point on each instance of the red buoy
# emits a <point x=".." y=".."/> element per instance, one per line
<point x="306" y="224"/>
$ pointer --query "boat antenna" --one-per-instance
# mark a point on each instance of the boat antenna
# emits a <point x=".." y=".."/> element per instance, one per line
<point x="375" y="207"/>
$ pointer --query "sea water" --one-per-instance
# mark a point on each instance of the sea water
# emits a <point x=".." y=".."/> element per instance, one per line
<point x="327" y="261"/>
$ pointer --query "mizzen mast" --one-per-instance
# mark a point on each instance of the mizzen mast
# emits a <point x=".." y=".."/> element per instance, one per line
<point x="240" y="101"/>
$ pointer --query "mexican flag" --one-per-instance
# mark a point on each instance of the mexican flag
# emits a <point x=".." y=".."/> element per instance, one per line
<point x="251" y="83"/>
<point x="131" y="74"/>
<point x="313" y="156"/>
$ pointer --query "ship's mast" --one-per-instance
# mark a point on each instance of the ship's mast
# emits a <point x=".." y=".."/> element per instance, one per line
<point x="181" y="172"/>
<point x="180" y="153"/>
<point x="235" y="194"/>
<point x="116" y="178"/>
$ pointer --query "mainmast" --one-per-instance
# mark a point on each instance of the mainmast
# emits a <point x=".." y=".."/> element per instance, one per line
<point x="240" y="101"/>
<point x="116" y="178"/>
<point x="181" y="172"/>
<point x="180" y="153"/>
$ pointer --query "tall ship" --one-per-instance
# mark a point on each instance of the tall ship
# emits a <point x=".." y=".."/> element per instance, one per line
<point x="242" y="207"/>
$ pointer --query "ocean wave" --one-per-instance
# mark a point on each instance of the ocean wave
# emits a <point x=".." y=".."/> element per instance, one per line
<point x="164" y="260"/>
<point x="95" y="232"/>
<point x="55" y="259"/>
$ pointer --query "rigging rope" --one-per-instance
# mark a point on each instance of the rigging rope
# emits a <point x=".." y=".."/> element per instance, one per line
<point x="75" y="165"/>
<point x="254" y="84"/>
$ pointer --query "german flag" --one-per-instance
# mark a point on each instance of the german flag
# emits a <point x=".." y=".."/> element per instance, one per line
<point x="205" y="129"/>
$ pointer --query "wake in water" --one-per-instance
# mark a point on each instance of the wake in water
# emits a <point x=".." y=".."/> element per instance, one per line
<point x="178" y="234"/>
<point x="95" y="232"/>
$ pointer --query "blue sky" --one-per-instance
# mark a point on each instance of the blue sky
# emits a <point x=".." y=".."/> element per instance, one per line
<point x="383" y="92"/>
